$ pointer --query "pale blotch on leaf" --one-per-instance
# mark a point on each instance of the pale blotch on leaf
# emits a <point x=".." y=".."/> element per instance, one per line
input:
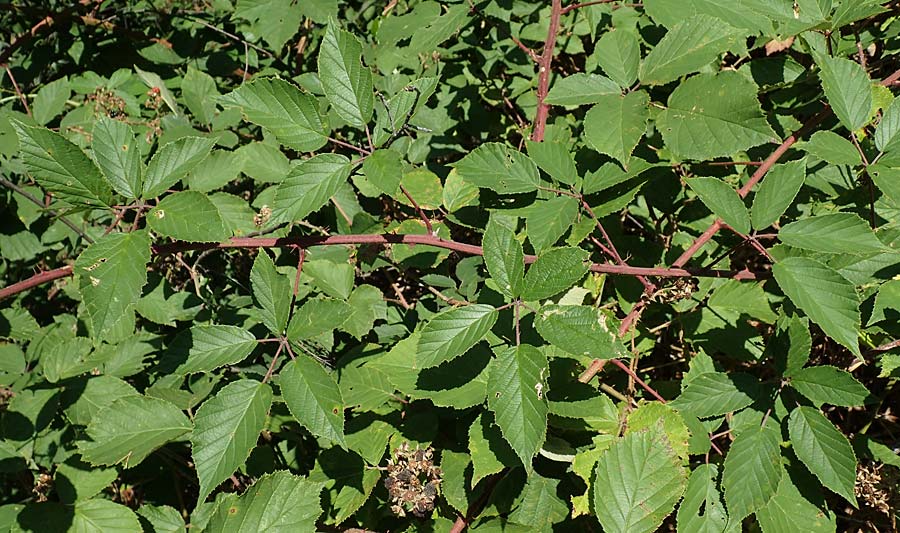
<point x="95" y="281"/>
<point x="160" y="214"/>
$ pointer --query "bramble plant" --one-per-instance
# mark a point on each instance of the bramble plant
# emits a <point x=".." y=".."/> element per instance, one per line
<point x="417" y="265"/>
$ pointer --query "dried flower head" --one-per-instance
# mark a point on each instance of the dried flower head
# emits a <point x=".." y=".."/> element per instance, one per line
<point x="42" y="486"/>
<point x="413" y="482"/>
<point x="876" y="486"/>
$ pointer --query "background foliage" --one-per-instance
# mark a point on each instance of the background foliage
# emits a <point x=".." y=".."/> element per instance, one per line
<point x="418" y="265"/>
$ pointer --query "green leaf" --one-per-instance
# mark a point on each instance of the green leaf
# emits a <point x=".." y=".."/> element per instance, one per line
<point x="517" y="396"/>
<point x="540" y="507"/>
<point x="826" y="384"/>
<point x="188" y="216"/>
<point x="548" y="220"/>
<point x="111" y="273"/>
<point x="317" y="317"/>
<point x="366" y="305"/>
<point x="275" y="21"/>
<point x="831" y="147"/>
<point x="226" y="428"/>
<point x="616" y="123"/>
<point x="554" y="271"/>
<point x="848" y="90"/>
<point x="104" y="516"/>
<point x="87" y="397"/>
<point x="887" y="134"/>
<point x="789" y="511"/>
<point x="451" y="333"/>
<point x="280" y="107"/>
<point x="403" y="106"/>
<point x="777" y="193"/>
<point x="384" y="169"/>
<point x="824" y="295"/>
<point x="743" y="14"/>
<point x="163" y="518"/>
<point x="128" y="429"/>
<point x="77" y="481"/>
<point x="638" y="482"/>
<point x="837" y="233"/>
<point x="347" y="479"/>
<point x="334" y="279"/>
<point x="204" y="348"/>
<point x="689" y="46"/>
<point x="887" y="179"/>
<point x="580" y="330"/>
<point x="824" y="450"/>
<point x="503" y="257"/>
<point x="581" y="88"/>
<point x="739" y="297"/>
<point x="314" y="398"/>
<point x="618" y="53"/>
<point x="272" y="291"/>
<point x="309" y="186"/>
<point x="722" y="200"/>
<point x="172" y="162"/>
<point x="61" y="167"/>
<point x="346" y="82"/>
<point x="118" y="156"/>
<point x="490" y="453"/>
<point x="199" y="91"/>
<point x="458" y="193"/>
<point x="500" y="168"/>
<point x="716" y="393"/>
<point x="277" y="502"/>
<point x="714" y="115"/>
<point x="752" y="471"/>
<point x="555" y="159"/>
<point x="702" y="510"/>
<point x="888" y="298"/>
<point x="50" y="100"/>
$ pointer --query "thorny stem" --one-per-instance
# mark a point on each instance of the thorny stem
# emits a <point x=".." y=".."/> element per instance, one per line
<point x="383" y="240"/>
<point x="625" y="368"/>
<point x="544" y="68"/>
<point x="274" y="360"/>
<point x="31" y="198"/>
<point x="585" y="4"/>
<point x="649" y="287"/>
<point x="516" y="318"/>
<point x="350" y="146"/>
<point x="630" y="320"/>
<point x="18" y="91"/>
<point x="419" y="210"/>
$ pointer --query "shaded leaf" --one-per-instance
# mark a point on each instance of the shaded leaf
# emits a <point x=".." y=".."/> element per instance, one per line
<point x="722" y="200"/>
<point x="314" y="398"/>
<point x="498" y="167"/>
<point x="752" y="470"/>
<point x="824" y="295"/>
<point x="346" y="82"/>
<point x="451" y="333"/>
<point x="638" y="482"/>
<point x="824" y="450"/>
<point x="188" y="216"/>
<point x="517" y="396"/>
<point x="714" y="115"/>
<point x="61" y="167"/>
<point x="128" y="429"/>
<point x="226" y="428"/>
<point x="282" y="108"/>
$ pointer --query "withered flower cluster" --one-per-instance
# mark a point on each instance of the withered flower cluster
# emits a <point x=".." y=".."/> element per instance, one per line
<point x="412" y="481"/>
<point x="876" y="486"/>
